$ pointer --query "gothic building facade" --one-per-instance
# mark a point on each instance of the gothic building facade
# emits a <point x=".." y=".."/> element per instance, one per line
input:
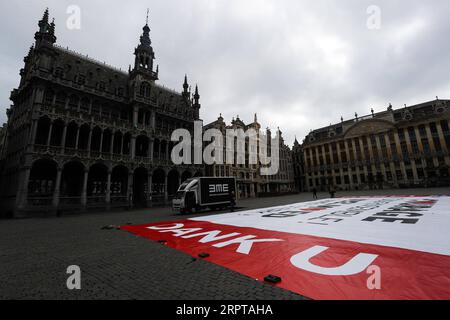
<point x="250" y="183"/>
<point x="82" y="134"/>
<point x="299" y="166"/>
<point x="399" y="148"/>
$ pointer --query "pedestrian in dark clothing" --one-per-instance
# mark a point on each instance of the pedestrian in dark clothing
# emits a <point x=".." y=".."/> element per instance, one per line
<point x="332" y="192"/>
<point x="315" y="194"/>
<point x="232" y="201"/>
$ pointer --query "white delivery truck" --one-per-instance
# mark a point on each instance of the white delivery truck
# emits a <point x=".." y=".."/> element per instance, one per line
<point x="199" y="193"/>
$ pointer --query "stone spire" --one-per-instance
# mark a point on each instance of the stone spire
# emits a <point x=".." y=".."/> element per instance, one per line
<point x="46" y="32"/>
<point x="43" y="23"/>
<point x="186" y="94"/>
<point x="144" y="55"/>
<point x="196" y="95"/>
<point x="145" y="37"/>
<point x="196" y="105"/>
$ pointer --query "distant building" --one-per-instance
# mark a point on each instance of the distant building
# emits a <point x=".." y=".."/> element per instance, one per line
<point x="84" y="135"/>
<point x="299" y="166"/>
<point x="406" y="147"/>
<point x="284" y="181"/>
<point x="250" y="183"/>
<point x="2" y="140"/>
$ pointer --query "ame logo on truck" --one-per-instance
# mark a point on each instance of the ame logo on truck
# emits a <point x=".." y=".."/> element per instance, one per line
<point x="218" y="189"/>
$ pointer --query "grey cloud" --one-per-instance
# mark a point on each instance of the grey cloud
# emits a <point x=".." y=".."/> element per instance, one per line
<point x="299" y="64"/>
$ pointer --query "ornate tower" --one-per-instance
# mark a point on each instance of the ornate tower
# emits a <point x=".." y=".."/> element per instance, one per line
<point x="144" y="56"/>
<point x="196" y="104"/>
<point x="46" y="33"/>
<point x="186" y="92"/>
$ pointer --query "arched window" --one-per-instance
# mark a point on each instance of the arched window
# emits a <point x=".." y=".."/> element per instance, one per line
<point x="145" y="90"/>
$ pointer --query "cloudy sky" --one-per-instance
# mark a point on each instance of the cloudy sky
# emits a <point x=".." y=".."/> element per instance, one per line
<point x="299" y="64"/>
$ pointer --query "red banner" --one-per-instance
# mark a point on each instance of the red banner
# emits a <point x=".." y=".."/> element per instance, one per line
<point x="313" y="266"/>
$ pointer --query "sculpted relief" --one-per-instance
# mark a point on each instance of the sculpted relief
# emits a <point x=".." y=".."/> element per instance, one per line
<point x="368" y="127"/>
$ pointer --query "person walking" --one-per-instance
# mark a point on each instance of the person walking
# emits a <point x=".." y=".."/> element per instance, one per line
<point x="314" y="190"/>
<point x="332" y="192"/>
<point x="232" y="201"/>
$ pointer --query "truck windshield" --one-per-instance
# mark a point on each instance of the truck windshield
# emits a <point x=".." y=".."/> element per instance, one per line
<point x="179" y="195"/>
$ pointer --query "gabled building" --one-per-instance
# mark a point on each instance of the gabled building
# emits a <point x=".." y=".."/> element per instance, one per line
<point x="250" y="183"/>
<point x="299" y="166"/>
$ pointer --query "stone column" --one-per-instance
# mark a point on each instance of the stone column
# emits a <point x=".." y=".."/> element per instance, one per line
<point x="445" y="148"/>
<point x="400" y="153"/>
<point x="56" y="192"/>
<point x="89" y="142"/>
<point x="419" y="138"/>
<point x="167" y="151"/>
<point x="149" y="183"/>
<point x="341" y="171"/>
<point x="153" y="121"/>
<point x="33" y="132"/>
<point x="84" y="190"/>
<point x="363" y="160"/>
<point x="49" y="134"/>
<point x="111" y="146"/>
<point x="22" y="195"/>
<point x="391" y="159"/>
<point x="432" y="146"/>
<point x="101" y="142"/>
<point x="133" y="147"/>
<point x="430" y="138"/>
<point x="349" y="169"/>
<point x="372" y="159"/>
<point x="150" y="149"/>
<point x="166" y="185"/>
<point x="411" y="155"/>
<point x="108" y="189"/>
<point x="78" y="138"/>
<point x="380" y="157"/>
<point x="135" y="116"/>
<point x="63" y="139"/>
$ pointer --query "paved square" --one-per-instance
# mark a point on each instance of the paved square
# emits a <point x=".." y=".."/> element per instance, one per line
<point x="35" y="253"/>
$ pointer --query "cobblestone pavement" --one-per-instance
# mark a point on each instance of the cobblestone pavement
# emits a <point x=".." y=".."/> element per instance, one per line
<point x="35" y="253"/>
